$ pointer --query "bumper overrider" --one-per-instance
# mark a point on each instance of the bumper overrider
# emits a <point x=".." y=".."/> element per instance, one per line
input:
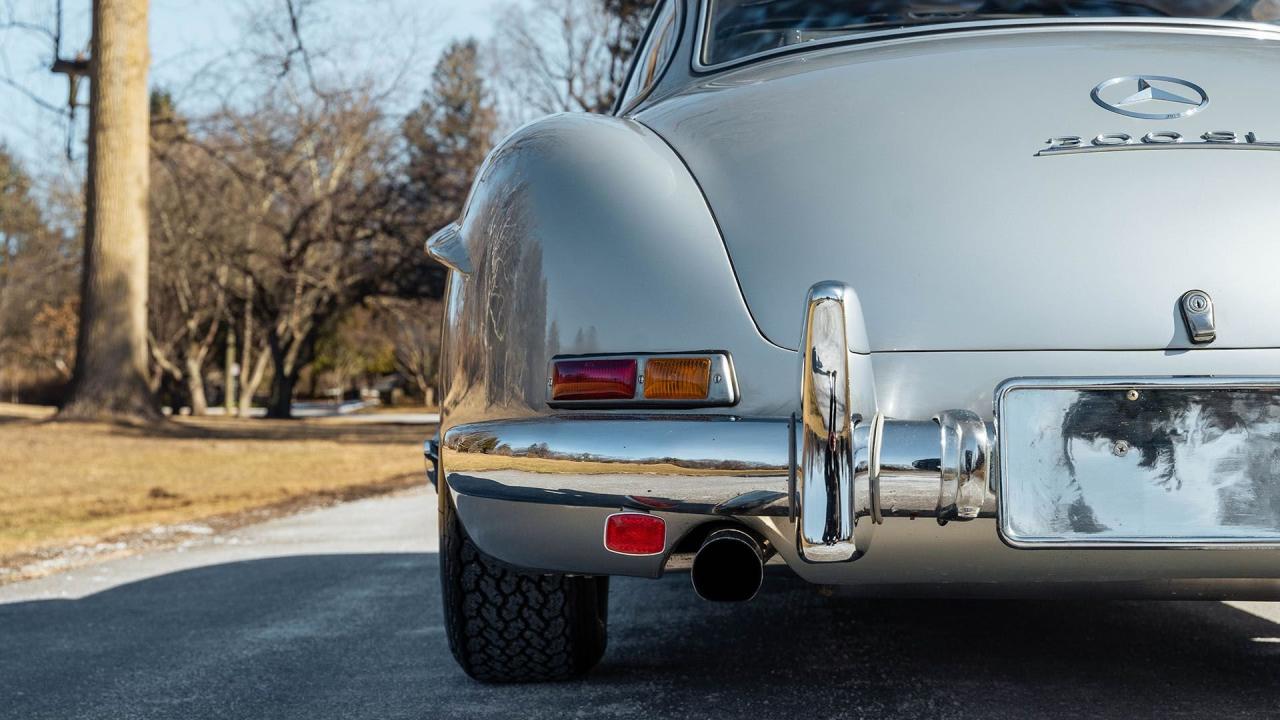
<point x="816" y="488"/>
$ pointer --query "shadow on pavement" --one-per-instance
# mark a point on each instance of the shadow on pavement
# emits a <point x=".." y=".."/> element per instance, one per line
<point x="348" y="636"/>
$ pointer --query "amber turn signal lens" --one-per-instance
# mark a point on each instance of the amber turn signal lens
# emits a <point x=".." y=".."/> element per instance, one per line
<point x="594" y="380"/>
<point x="677" y="378"/>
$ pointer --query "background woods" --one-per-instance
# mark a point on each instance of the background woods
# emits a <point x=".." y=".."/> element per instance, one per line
<point x="287" y="209"/>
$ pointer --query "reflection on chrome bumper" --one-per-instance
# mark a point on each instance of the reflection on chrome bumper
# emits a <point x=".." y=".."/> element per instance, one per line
<point x="714" y="465"/>
<point x="535" y="493"/>
<point x="703" y="465"/>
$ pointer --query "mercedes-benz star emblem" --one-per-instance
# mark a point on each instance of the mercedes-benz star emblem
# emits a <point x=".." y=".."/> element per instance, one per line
<point x="1150" y="97"/>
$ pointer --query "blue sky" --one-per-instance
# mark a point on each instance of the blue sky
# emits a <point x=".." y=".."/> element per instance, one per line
<point x="192" y="40"/>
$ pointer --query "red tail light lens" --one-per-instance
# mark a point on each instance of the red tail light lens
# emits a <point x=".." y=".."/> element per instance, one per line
<point x="635" y="533"/>
<point x="594" y="380"/>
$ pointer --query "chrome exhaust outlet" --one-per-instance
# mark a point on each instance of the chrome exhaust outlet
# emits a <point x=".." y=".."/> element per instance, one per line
<point x="729" y="566"/>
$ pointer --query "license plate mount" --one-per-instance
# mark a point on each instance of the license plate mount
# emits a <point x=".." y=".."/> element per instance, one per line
<point x="1139" y="462"/>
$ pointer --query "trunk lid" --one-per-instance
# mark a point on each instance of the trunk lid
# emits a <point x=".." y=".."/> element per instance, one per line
<point x="909" y="170"/>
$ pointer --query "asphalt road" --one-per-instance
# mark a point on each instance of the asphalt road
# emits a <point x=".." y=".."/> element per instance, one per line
<point x="336" y="614"/>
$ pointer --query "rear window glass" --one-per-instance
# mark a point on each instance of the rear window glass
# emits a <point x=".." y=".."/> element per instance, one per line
<point x="740" y="28"/>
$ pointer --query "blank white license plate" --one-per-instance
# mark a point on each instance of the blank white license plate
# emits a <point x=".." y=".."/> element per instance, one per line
<point x="1184" y="462"/>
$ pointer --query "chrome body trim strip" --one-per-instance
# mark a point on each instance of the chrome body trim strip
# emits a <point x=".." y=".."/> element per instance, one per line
<point x="1145" y="145"/>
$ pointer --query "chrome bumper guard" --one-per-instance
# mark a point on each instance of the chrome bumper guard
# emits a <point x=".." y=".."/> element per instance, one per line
<point x="851" y="458"/>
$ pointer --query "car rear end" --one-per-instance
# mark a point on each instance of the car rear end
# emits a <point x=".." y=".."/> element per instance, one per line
<point x="918" y="315"/>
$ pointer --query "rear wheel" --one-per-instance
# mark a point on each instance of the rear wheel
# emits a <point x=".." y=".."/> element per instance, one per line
<point x="507" y="625"/>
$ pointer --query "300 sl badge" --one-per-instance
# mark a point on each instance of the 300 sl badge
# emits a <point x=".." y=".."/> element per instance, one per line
<point x="1157" y="140"/>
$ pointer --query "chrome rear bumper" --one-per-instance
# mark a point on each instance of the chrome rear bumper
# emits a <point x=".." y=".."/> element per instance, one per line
<point x="713" y="465"/>
<point x="817" y="486"/>
<point x="535" y="493"/>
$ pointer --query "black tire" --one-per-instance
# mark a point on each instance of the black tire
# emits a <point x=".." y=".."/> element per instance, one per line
<point x="507" y="625"/>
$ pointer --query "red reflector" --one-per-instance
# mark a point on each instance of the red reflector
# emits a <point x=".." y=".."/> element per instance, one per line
<point x="635" y="533"/>
<point x="594" y="380"/>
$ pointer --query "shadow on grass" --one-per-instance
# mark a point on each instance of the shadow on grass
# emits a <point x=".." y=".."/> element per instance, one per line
<point x="346" y="636"/>
<point x="260" y="429"/>
<point x="329" y="430"/>
<point x="333" y="428"/>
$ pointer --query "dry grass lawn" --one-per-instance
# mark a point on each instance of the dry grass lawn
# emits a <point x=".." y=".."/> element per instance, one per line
<point x="63" y="483"/>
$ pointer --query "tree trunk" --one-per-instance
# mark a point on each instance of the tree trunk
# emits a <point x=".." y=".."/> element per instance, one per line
<point x="111" y="348"/>
<point x="280" y="404"/>
<point x="229" y="379"/>
<point x="248" y="381"/>
<point x="249" y="384"/>
<point x="195" y="386"/>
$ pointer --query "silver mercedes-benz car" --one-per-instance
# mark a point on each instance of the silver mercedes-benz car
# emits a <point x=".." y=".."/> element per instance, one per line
<point x="948" y="297"/>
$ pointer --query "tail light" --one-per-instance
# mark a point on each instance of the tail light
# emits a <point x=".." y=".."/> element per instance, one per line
<point x="680" y="380"/>
<point x="594" y="380"/>
<point x="677" y="378"/>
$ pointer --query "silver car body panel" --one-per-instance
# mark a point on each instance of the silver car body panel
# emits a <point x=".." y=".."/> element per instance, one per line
<point x="911" y="557"/>
<point x="909" y="170"/>
<point x="905" y="168"/>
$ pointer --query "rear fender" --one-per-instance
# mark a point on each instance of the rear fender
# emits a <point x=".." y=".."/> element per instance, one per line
<point x="587" y="234"/>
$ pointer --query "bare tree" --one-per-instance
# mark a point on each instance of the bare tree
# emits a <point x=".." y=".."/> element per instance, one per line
<point x="311" y="179"/>
<point x="255" y="359"/>
<point x="415" y="332"/>
<point x="272" y="213"/>
<point x="565" y="55"/>
<point x="111" y="352"/>
<point x="447" y="137"/>
<point x="191" y="241"/>
<point x="184" y="328"/>
<point x="628" y="20"/>
<point x="553" y="57"/>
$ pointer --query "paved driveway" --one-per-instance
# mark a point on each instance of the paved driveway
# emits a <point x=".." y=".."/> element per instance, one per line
<point x="335" y="614"/>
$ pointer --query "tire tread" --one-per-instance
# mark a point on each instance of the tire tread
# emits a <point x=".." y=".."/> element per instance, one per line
<point x="507" y="625"/>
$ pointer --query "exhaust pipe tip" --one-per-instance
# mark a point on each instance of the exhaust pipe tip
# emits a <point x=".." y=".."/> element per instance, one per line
<point x="729" y="566"/>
